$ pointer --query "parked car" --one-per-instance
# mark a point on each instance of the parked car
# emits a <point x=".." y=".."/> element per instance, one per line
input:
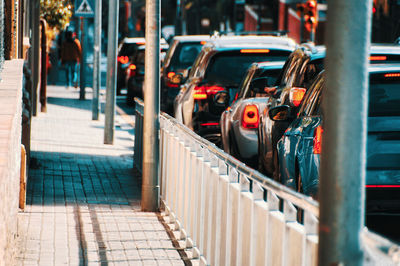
<point x="239" y="122"/>
<point x="299" y="70"/>
<point x="300" y="147"/>
<point x="180" y="56"/>
<point x="135" y="73"/>
<point x="126" y="49"/>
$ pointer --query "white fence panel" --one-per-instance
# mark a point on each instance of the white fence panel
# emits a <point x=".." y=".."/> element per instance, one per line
<point x="230" y="214"/>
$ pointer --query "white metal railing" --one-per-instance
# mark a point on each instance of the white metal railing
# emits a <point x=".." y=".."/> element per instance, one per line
<point x="229" y="214"/>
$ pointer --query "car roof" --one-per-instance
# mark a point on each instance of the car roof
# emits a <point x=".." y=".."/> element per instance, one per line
<point x="232" y="42"/>
<point x="130" y="40"/>
<point x="384" y="48"/>
<point x="192" y="38"/>
<point x="377" y="68"/>
<point x="269" y="65"/>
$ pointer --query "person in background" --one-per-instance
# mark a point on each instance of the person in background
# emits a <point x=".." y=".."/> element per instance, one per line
<point x="70" y="56"/>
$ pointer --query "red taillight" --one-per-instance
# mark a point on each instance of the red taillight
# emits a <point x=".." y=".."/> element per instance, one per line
<point x="132" y="70"/>
<point x="297" y="95"/>
<point x="201" y="92"/>
<point x="123" y="59"/>
<point x="317" y="140"/>
<point x="392" y="75"/>
<point x="382" y="186"/>
<point x="250" y="117"/>
<point x="377" y="58"/>
<point x="210" y="124"/>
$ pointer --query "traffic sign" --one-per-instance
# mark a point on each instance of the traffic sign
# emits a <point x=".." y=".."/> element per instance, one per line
<point x="84" y="8"/>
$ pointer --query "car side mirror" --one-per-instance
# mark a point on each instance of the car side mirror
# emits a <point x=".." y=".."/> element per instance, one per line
<point x="279" y="113"/>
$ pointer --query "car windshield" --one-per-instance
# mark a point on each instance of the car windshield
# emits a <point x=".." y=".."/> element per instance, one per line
<point x="228" y="68"/>
<point x="384" y="94"/>
<point x="185" y="55"/>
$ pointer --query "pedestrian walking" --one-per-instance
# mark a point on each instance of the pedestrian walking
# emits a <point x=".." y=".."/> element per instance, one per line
<point x="70" y="57"/>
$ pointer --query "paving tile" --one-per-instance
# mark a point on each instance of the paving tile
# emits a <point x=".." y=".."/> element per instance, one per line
<point x="83" y="199"/>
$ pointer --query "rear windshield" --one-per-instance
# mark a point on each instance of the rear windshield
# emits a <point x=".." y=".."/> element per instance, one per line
<point x="185" y="55"/>
<point x="127" y="49"/>
<point x="384" y="94"/>
<point x="228" y="68"/>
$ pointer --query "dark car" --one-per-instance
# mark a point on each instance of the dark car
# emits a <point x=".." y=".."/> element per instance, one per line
<point x="300" y="147"/>
<point x="217" y="72"/>
<point x="300" y="69"/>
<point x="180" y="56"/>
<point x="135" y="73"/>
<point x="126" y="49"/>
<point x="239" y="122"/>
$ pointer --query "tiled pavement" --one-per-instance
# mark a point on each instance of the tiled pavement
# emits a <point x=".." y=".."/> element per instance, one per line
<point x="83" y="198"/>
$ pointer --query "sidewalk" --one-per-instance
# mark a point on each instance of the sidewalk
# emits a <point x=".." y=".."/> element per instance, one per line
<point x="83" y="197"/>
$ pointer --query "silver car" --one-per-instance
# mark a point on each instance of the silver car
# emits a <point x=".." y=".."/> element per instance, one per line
<point x="239" y="122"/>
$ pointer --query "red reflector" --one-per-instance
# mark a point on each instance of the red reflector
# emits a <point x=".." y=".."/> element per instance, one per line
<point x="170" y="74"/>
<point x="296" y="95"/>
<point x="210" y="124"/>
<point x="250" y="117"/>
<point x="203" y="42"/>
<point x="317" y="140"/>
<point x="377" y="58"/>
<point x="392" y="75"/>
<point x="249" y="51"/>
<point x="382" y="186"/>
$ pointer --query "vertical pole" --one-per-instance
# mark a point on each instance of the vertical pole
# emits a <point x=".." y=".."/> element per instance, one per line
<point x="82" y="84"/>
<point x="178" y="18"/>
<point x="35" y="36"/>
<point x="345" y="133"/>
<point x="111" y="71"/>
<point x="43" y="70"/>
<point x="151" y="125"/>
<point x="96" y="62"/>
<point x="302" y="27"/>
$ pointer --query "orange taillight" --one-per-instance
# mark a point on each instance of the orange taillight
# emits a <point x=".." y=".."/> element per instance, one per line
<point x="132" y="70"/>
<point x="317" y="140"/>
<point x="250" y="51"/>
<point x="123" y="59"/>
<point x="297" y="95"/>
<point x="170" y="74"/>
<point x="250" y="117"/>
<point x="392" y="75"/>
<point x="377" y="58"/>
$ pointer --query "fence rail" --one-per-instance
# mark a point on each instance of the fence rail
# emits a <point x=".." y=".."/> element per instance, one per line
<point x="229" y="214"/>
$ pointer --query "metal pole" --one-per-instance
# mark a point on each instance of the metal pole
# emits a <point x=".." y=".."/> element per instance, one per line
<point x="36" y="54"/>
<point x="82" y="84"/>
<point x="111" y="70"/>
<point x="151" y="124"/>
<point x="178" y="18"/>
<point x="302" y="27"/>
<point x="96" y="62"/>
<point x="342" y="183"/>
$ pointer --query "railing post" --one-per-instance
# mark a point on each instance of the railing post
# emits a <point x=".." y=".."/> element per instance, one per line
<point x="343" y="154"/>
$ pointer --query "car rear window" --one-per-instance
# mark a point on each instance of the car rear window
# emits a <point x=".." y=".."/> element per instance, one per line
<point x="185" y="55"/>
<point x="384" y="94"/>
<point x="228" y="68"/>
<point x="127" y="49"/>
